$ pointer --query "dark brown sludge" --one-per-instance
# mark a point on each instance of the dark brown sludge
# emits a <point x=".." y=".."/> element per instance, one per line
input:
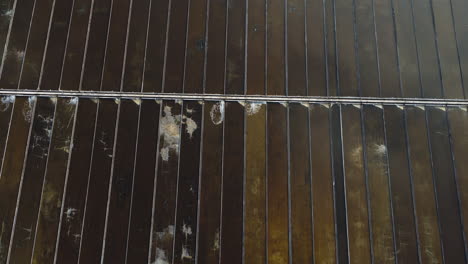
<point x="233" y="131"/>
<point x="189" y="181"/>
